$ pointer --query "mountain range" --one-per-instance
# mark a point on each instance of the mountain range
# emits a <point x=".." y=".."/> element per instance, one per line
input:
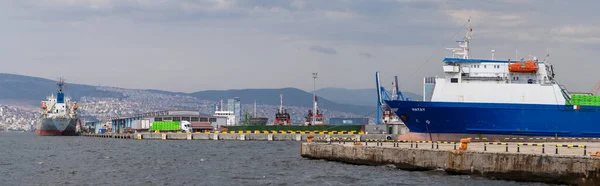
<point x="32" y="90"/>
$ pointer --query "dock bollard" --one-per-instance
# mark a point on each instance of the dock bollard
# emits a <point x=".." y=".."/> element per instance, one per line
<point x="518" y="147"/>
<point x="556" y="149"/>
<point x="463" y="143"/>
<point x="484" y="147"/>
<point x="543" y="149"/>
<point x="506" y="147"/>
<point x="584" y="150"/>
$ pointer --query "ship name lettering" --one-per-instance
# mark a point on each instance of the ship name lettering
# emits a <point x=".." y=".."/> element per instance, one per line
<point x="418" y="109"/>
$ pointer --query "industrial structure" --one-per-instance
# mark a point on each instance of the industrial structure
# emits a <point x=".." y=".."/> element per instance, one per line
<point x="385" y="114"/>
<point x="142" y="122"/>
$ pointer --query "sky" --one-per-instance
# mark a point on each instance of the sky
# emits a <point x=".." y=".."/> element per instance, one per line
<point x="193" y="45"/>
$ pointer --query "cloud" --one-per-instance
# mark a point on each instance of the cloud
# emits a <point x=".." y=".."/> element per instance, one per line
<point x="299" y="4"/>
<point x="324" y="50"/>
<point x="339" y="15"/>
<point x="486" y="18"/>
<point x="366" y="54"/>
<point x="577" y="30"/>
<point x="583" y="34"/>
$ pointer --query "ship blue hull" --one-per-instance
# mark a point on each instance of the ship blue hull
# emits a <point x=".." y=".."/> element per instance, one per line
<point x="459" y="119"/>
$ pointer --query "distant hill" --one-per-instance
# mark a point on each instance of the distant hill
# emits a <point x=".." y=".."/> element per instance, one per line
<point x="360" y="97"/>
<point x="26" y="88"/>
<point x="291" y="96"/>
<point x="32" y="90"/>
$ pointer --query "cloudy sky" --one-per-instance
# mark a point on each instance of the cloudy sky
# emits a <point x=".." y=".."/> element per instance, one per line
<point x="191" y="45"/>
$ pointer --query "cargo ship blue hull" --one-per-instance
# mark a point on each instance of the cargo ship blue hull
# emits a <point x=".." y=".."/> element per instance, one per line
<point x="451" y="120"/>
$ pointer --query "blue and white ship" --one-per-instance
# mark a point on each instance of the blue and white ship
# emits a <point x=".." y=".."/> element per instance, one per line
<point x="494" y="99"/>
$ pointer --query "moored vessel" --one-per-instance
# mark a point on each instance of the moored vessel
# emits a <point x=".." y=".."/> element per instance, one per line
<point x="495" y="99"/>
<point x="282" y="117"/>
<point x="59" y="115"/>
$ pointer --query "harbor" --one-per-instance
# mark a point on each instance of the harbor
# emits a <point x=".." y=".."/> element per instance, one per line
<point x="299" y="92"/>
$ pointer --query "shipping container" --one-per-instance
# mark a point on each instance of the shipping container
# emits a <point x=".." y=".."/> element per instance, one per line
<point x="165" y="125"/>
<point x="145" y="124"/>
<point x="137" y="124"/>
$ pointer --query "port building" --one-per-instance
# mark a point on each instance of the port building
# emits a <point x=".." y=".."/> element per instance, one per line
<point x="142" y="122"/>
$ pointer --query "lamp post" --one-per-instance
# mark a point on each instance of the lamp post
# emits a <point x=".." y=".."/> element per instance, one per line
<point x="314" y="74"/>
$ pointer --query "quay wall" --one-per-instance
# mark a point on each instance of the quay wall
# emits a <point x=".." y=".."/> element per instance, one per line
<point x="562" y="169"/>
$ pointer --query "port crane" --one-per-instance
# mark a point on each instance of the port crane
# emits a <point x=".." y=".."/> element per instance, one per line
<point x="382" y="94"/>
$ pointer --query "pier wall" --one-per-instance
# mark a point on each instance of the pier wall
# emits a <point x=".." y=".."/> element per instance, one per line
<point x="260" y="137"/>
<point x="563" y="169"/>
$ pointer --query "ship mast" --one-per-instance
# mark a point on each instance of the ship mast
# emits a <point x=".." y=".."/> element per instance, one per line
<point x="280" y="103"/>
<point x="463" y="49"/>
<point x="60" y="84"/>
<point x="467" y="39"/>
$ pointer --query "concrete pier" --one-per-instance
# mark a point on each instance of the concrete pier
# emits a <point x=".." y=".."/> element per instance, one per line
<point x="495" y="163"/>
<point x="259" y="137"/>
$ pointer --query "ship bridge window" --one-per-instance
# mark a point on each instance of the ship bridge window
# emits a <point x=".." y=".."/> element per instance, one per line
<point x="453" y="80"/>
<point x="212" y="119"/>
<point x="530" y="81"/>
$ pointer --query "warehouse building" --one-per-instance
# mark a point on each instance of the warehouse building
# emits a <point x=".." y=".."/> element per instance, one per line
<point x="142" y="122"/>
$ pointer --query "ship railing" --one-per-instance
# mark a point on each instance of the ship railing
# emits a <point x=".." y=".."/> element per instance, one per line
<point x="497" y="78"/>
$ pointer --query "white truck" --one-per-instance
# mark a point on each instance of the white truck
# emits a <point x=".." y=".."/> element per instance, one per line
<point x="186" y="126"/>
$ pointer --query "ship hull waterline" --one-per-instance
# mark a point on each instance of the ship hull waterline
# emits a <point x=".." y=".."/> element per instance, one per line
<point x="57" y="127"/>
<point x="450" y="121"/>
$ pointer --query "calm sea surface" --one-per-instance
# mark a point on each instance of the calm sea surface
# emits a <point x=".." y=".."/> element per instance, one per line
<point x="26" y="159"/>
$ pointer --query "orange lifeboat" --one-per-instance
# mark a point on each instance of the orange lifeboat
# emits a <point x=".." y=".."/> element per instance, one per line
<point x="44" y="105"/>
<point x="75" y="106"/>
<point x="528" y="66"/>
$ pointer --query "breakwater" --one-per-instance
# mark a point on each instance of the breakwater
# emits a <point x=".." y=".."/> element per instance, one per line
<point x="521" y="166"/>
